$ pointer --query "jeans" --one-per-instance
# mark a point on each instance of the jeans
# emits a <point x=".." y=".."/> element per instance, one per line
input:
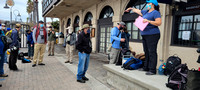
<point x="30" y="50"/>
<point x="83" y="64"/>
<point x="2" y="57"/>
<point x="5" y="57"/>
<point x="150" y="48"/>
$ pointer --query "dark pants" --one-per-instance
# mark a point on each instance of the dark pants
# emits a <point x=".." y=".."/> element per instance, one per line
<point x="30" y="50"/>
<point x="150" y="48"/>
<point x="13" y="60"/>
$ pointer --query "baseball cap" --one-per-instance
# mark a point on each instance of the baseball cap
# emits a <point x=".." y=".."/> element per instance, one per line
<point x="121" y="23"/>
<point x="155" y="2"/>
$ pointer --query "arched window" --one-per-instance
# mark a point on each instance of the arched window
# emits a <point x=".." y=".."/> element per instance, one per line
<point x="130" y="17"/>
<point x="107" y="12"/>
<point x="88" y="18"/>
<point x="68" y="22"/>
<point x="76" y="23"/>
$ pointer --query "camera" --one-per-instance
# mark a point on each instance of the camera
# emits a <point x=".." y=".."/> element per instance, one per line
<point x="42" y="36"/>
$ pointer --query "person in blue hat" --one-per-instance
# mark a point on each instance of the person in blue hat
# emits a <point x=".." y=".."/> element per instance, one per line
<point x="150" y="35"/>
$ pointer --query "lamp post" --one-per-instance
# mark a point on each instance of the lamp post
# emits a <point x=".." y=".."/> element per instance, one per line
<point x="16" y="15"/>
<point x="6" y="7"/>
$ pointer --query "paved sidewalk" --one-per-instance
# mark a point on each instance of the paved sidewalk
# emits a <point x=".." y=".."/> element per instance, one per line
<point x="56" y="75"/>
<point x="52" y="76"/>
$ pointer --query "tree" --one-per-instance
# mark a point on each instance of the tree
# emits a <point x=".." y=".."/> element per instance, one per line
<point x="29" y="8"/>
<point x="55" y="25"/>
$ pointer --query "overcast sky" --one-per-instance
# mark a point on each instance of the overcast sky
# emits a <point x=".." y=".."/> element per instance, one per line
<point x="21" y="6"/>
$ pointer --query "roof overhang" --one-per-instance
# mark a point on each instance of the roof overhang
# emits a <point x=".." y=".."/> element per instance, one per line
<point x="66" y="7"/>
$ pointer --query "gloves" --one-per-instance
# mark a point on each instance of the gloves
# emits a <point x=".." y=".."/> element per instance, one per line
<point x="9" y="50"/>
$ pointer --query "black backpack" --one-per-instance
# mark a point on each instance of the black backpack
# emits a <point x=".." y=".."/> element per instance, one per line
<point x="122" y="52"/>
<point x="178" y="78"/>
<point x="171" y="63"/>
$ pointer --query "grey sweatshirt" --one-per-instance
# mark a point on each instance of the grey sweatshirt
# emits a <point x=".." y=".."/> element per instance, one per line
<point x="39" y="39"/>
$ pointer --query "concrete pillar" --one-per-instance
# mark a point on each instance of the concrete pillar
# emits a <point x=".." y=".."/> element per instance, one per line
<point x="60" y="40"/>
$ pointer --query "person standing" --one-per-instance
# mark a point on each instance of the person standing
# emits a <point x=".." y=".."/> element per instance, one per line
<point x="2" y="55"/>
<point x="126" y="35"/>
<point x="150" y="35"/>
<point x="40" y="39"/>
<point x="115" y="39"/>
<point x="30" y="43"/>
<point x="14" y="48"/>
<point x="51" y="41"/>
<point x="84" y="46"/>
<point x="5" y="31"/>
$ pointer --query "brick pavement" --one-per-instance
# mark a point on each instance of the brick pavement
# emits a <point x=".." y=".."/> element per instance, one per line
<point x="56" y="75"/>
<point x="52" y="76"/>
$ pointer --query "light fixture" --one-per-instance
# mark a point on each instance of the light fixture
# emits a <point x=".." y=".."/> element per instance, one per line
<point x="6" y="6"/>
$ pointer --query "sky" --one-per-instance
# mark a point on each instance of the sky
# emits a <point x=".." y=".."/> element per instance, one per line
<point x="20" y="5"/>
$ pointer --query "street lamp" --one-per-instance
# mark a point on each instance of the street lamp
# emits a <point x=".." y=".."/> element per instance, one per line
<point x="16" y="15"/>
<point x="6" y="6"/>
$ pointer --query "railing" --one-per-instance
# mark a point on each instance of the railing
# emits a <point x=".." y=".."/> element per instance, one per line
<point x="45" y="4"/>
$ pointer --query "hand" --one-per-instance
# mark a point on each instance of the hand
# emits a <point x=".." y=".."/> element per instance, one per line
<point x="145" y="20"/>
<point x="122" y="40"/>
<point x="128" y="10"/>
<point x="53" y="32"/>
<point x="31" y="45"/>
<point x="83" y="52"/>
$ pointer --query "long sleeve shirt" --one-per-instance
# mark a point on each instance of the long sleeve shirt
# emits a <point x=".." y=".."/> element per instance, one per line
<point x="114" y="32"/>
<point x="51" y="36"/>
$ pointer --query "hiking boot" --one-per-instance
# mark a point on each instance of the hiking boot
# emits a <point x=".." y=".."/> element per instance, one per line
<point x="81" y="81"/>
<point x="71" y="62"/>
<point x="33" y="65"/>
<point x="3" y="75"/>
<point x="150" y="73"/>
<point x="85" y="78"/>
<point x="41" y="64"/>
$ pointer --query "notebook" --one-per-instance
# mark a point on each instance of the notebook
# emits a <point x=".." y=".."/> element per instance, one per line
<point x="139" y="23"/>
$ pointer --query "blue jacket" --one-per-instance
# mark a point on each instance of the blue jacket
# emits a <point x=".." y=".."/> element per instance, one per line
<point x="15" y="39"/>
<point x="30" y="38"/>
<point x="1" y="43"/>
<point x="114" y="32"/>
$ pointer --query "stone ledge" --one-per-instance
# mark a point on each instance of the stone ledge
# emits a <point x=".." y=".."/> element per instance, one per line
<point x="134" y="79"/>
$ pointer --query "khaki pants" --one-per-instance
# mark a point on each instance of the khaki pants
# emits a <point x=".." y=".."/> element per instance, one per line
<point x="39" y="48"/>
<point x="51" y="47"/>
<point x="69" y="52"/>
<point x="114" y="55"/>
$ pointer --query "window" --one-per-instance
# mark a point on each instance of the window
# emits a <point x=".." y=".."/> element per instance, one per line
<point x="107" y="12"/>
<point x="187" y="31"/>
<point x="133" y="31"/>
<point x="129" y="19"/>
<point x="76" y="23"/>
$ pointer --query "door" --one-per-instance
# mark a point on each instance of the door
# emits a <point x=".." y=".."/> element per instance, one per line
<point x="104" y="39"/>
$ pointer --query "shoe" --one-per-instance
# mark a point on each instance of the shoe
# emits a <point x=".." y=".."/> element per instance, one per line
<point x="150" y="73"/>
<point x="49" y="55"/>
<point x="28" y="58"/>
<point x="66" y="61"/>
<point x="142" y="69"/>
<point x="52" y="55"/>
<point x="85" y="78"/>
<point x="33" y="65"/>
<point x="41" y="64"/>
<point x="0" y="85"/>
<point x="71" y="62"/>
<point x="81" y="81"/>
<point x="3" y="75"/>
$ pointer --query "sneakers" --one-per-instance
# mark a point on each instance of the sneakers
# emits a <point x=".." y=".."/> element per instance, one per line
<point x="33" y="65"/>
<point x="81" y="81"/>
<point x="3" y="75"/>
<point x="85" y="78"/>
<point x="41" y="64"/>
<point x="66" y="61"/>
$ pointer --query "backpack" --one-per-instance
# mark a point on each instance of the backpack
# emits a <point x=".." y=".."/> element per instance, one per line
<point x="171" y="63"/>
<point x="121" y="54"/>
<point x="161" y="69"/>
<point x="178" y="78"/>
<point x="8" y="37"/>
<point x="132" y="64"/>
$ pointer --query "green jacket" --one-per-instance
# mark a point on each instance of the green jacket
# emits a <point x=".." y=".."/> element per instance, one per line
<point x="51" y="36"/>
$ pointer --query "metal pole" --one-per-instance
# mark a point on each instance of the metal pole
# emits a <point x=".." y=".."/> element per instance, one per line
<point x="11" y="17"/>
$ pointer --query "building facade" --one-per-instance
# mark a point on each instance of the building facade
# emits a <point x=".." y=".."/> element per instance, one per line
<point x="180" y="29"/>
